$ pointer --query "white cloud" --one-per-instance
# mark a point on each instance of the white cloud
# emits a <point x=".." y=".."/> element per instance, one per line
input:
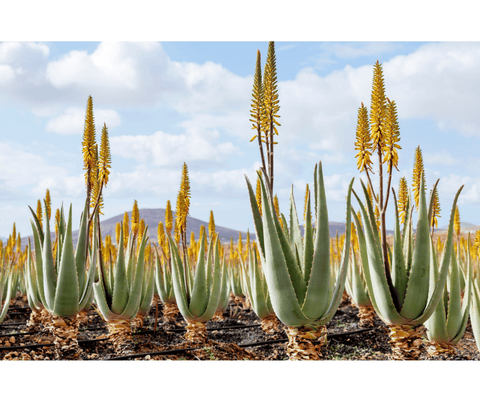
<point x="470" y="194"/>
<point x="22" y="53"/>
<point x="162" y="149"/>
<point x="443" y="158"/>
<point x="141" y="73"/>
<point x="72" y="121"/>
<point x="19" y="169"/>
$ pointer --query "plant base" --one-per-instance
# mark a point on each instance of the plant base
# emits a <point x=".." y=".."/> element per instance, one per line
<point x="440" y="348"/>
<point x="137" y="322"/>
<point x="270" y="324"/>
<point x="65" y="337"/>
<point x="120" y="335"/>
<point x="218" y="316"/>
<point x="306" y="343"/>
<point x="170" y="312"/>
<point x="367" y="316"/>
<point x="82" y="318"/>
<point x="35" y="320"/>
<point x="196" y="332"/>
<point x="406" y="341"/>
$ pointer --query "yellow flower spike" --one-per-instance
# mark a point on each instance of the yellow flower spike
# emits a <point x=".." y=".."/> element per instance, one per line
<point x="88" y="147"/>
<point x="118" y="228"/>
<point x="402" y="198"/>
<point x="456" y="222"/>
<point x="211" y="225"/>
<point x="96" y="184"/>
<point x="105" y="159"/>
<point x="39" y="214"/>
<point x="48" y="202"/>
<point x="277" y="210"/>
<point x="392" y="136"/>
<point x="378" y="108"/>
<point x="476" y="242"/>
<point x="240" y="245"/>
<point x="418" y="174"/>
<point x="168" y="218"/>
<point x="135" y="218"/>
<point x="141" y="229"/>
<point x="436" y="209"/>
<point x="363" y="144"/>
<point x="125" y="229"/>
<point x="258" y="196"/>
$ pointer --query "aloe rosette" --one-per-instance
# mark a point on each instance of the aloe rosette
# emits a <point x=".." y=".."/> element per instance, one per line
<point x="224" y="297"/>
<point x="61" y="284"/>
<point x="119" y="299"/>
<point x="8" y="279"/>
<point x="198" y="295"/>
<point x="408" y="299"/>
<point x="447" y="324"/>
<point x="164" y="289"/>
<point x="475" y="307"/>
<point x="258" y="295"/>
<point x="356" y="288"/>
<point x="303" y="293"/>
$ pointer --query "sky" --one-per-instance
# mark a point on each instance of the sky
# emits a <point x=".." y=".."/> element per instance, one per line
<point x="166" y="102"/>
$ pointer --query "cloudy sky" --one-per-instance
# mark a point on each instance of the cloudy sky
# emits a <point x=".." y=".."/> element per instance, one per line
<point x="170" y="102"/>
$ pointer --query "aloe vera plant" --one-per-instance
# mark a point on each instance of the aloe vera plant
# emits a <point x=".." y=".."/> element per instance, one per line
<point x="448" y="322"/>
<point x="475" y="307"/>
<point x="356" y="288"/>
<point x="406" y="301"/>
<point x="118" y="300"/>
<point x="8" y="278"/>
<point x="61" y="284"/>
<point x="198" y="303"/>
<point x="297" y="271"/>
<point x="164" y="289"/>
<point x="257" y="291"/>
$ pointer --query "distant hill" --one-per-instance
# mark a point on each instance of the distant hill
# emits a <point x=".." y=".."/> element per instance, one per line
<point x="463" y="225"/>
<point x="153" y="216"/>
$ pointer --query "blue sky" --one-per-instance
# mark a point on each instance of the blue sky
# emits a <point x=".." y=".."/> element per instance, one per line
<point x="169" y="102"/>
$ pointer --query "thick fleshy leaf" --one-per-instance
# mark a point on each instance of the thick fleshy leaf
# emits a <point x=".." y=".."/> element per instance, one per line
<point x="282" y="291"/>
<point x="308" y="247"/>
<point x="294" y="269"/>
<point x="135" y="293"/>
<point x="214" y="296"/>
<point x="101" y="302"/>
<point x="436" y="324"/>
<point x="257" y="294"/>
<point x="67" y="294"/>
<point x="81" y="248"/>
<point x="454" y="318"/>
<point x="178" y="280"/>
<point x="475" y="311"/>
<point x="399" y="271"/>
<point x="416" y="295"/>
<point x="295" y="233"/>
<point x="359" y="292"/>
<point x="147" y="295"/>
<point x="317" y="297"/>
<point x="120" y="292"/>
<point x="464" y="313"/>
<point x="38" y="265"/>
<point x="336" y="293"/>
<point x="49" y="273"/>
<point x="199" y="297"/>
<point x="434" y="297"/>
<point x="257" y="218"/>
<point x="374" y="271"/>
